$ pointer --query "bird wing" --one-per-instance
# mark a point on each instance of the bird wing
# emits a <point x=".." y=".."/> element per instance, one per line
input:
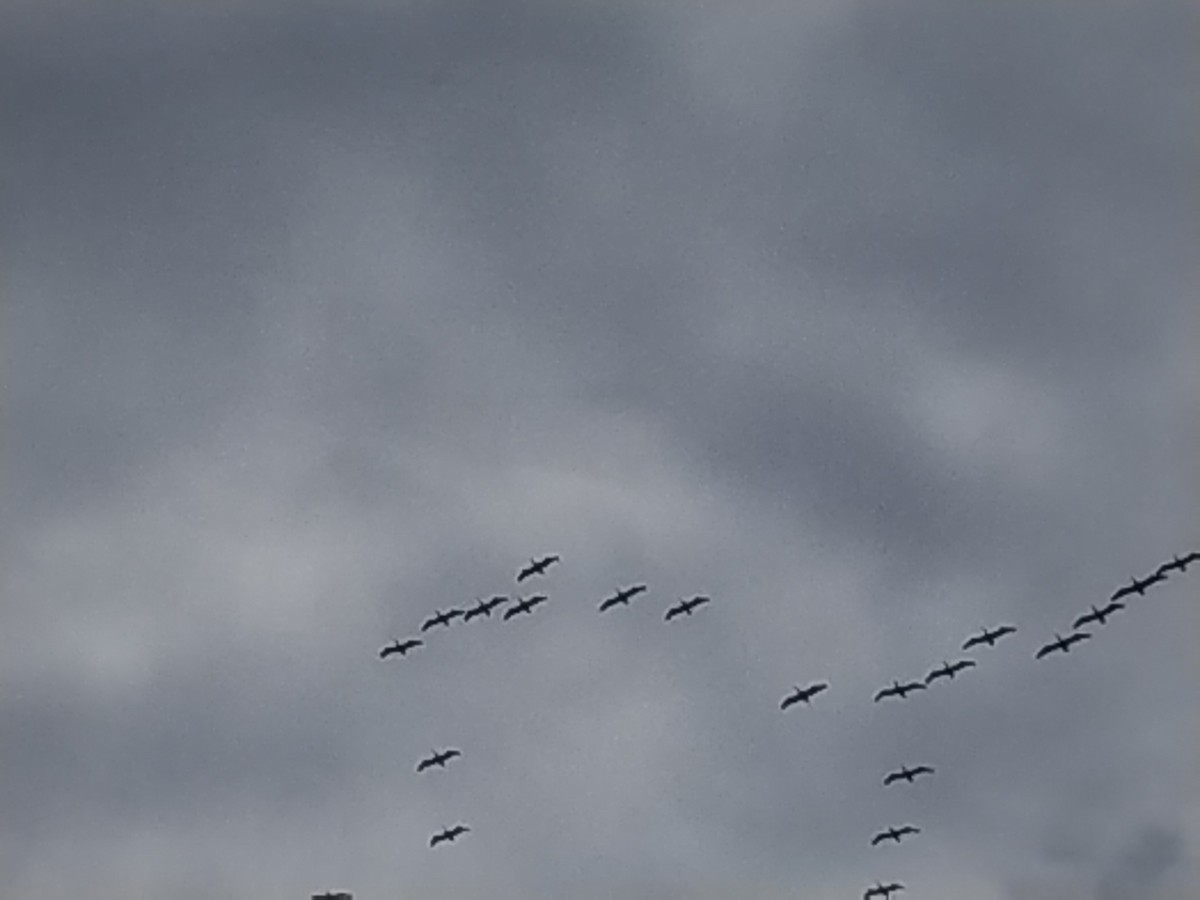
<point x="817" y="688"/>
<point x="512" y="612"/>
<point x="609" y="603"/>
<point x="789" y="700"/>
<point x="1083" y="620"/>
<point x="890" y="777"/>
<point x="1077" y="637"/>
<point x="1046" y="650"/>
<point x="878" y="839"/>
<point x="437" y="839"/>
<point x="1123" y="592"/>
<point x="972" y="641"/>
<point x="1190" y="558"/>
<point x="936" y="674"/>
<point x="919" y="770"/>
<point x="885" y="692"/>
<point x="673" y="612"/>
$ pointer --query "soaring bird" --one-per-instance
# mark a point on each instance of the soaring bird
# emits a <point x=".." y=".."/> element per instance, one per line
<point x="686" y="606"/>
<point x="899" y="690"/>
<point x="803" y="695"/>
<point x="1137" y="586"/>
<point x="1180" y="563"/>
<point x="1098" y="616"/>
<point x="988" y="637"/>
<point x="622" y="596"/>
<point x="438" y="759"/>
<point x="448" y="834"/>
<point x="536" y="567"/>
<point x="904" y="773"/>
<point x="1062" y="643"/>
<point x="525" y="606"/>
<point x="442" y="618"/>
<point x="483" y="608"/>
<point x="401" y="648"/>
<point x="949" y="670"/>
<point x="883" y="890"/>
<point x="894" y="834"/>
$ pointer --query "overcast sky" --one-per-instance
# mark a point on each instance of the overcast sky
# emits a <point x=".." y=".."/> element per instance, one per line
<point x="874" y="321"/>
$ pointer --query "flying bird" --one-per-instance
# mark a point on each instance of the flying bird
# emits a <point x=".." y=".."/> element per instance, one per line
<point x="988" y="637"/>
<point x="686" y="606"/>
<point x="1138" y="587"/>
<point x="438" y="759"/>
<point x="894" y="834"/>
<point x="883" y="890"/>
<point x="1062" y="643"/>
<point x="622" y="596"/>
<point x="803" y="695"/>
<point x="899" y="690"/>
<point x="442" y="618"/>
<point x="483" y="608"/>
<point x="401" y="648"/>
<point x="904" y="773"/>
<point x="448" y="834"/>
<point x="949" y="670"/>
<point x="1098" y="616"/>
<point x="1178" y="563"/>
<point x="525" y="606"/>
<point x="536" y="567"/>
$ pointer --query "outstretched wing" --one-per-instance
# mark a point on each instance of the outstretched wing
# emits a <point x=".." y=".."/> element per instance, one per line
<point x="885" y="692"/>
<point x="673" y="612"/>
<point x="1046" y="650"/>
<point x="973" y="641"/>
<point x="789" y="700"/>
<point x="936" y="674"/>
<point x="1123" y="592"/>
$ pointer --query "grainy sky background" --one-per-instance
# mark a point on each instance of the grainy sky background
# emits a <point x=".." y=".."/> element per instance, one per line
<point x="875" y="321"/>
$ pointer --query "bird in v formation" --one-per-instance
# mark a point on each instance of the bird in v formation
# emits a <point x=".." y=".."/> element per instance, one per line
<point x="400" y="647"/>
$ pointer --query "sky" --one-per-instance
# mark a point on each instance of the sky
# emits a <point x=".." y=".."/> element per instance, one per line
<point x="873" y="321"/>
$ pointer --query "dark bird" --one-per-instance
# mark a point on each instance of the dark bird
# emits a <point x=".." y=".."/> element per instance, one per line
<point x="894" y="834"/>
<point x="536" y="567"/>
<point x="883" y="890"/>
<point x="448" y="834"/>
<point x="525" y="606"/>
<point x="803" y="695"/>
<point x="442" y="618"/>
<point x="438" y="759"/>
<point x="1062" y="643"/>
<point x="988" y="637"/>
<point x="622" y="596"/>
<point x="899" y="690"/>
<point x="483" y="608"/>
<point x="949" y="670"/>
<point x="401" y="648"/>
<point x="1139" y="587"/>
<point x="1178" y="563"/>
<point x="904" y="773"/>
<point x="686" y="606"/>
<point x="1099" y="616"/>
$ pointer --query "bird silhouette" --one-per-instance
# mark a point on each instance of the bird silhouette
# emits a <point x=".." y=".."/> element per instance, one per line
<point x="803" y="695"/>
<point x="1062" y="644"/>
<point x="536" y="567"/>
<point x="1099" y="616"/>
<point x="988" y="637"/>
<point x="622" y="596"/>
<point x="899" y="690"/>
<point x="883" y="890"/>
<point x="448" y="834"/>
<point x="1138" y="586"/>
<point x="894" y="834"/>
<point x="442" y="618"/>
<point x="484" y="608"/>
<point x="686" y="606"/>
<point x="1178" y="563"/>
<point x="904" y="773"/>
<point x="525" y="606"/>
<point x="401" y="648"/>
<point x="949" y="670"/>
<point x="438" y="759"/>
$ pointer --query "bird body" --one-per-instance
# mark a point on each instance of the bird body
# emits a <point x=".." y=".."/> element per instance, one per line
<point x="525" y="606"/>
<point x="1062" y="644"/>
<point x="399" y="647"/>
<point x="441" y="618"/>
<point x="899" y="690"/>
<point x="536" y="567"/>
<point x="686" y="606"/>
<point x="448" y="834"/>
<point x="1178" y="563"/>
<point x="622" y="596"/>
<point x="803" y="695"/>
<point x="904" y="773"/>
<point x="949" y="670"/>
<point x="1138" y="586"/>
<point x="894" y="834"/>
<point x="988" y="637"/>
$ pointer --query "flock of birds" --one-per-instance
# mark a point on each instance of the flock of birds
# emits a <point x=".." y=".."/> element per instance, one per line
<point x="799" y="695"/>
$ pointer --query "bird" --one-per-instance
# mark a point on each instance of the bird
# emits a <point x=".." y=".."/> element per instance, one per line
<point x="988" y="637"/>
<point x="438" y="759"/>
<point x="622" y="596"/>
<point x="904" y="773"/>
<point x="899" y="690"/>
<point x="1178" y="563"/>
<point x="525" y="606"/>
<point x="536" y="567"/>
<point x="1138" y="587"/>
<point x="448" y="834"/>
<point x="883" y="890"/>
<point x="401" y="648"/>
<point x="1098" y="616"/>
<point x="803" y="695"/>
<point x="442" y="618"/>
<point x="1062" y="643"/>
<point x="484" y="608"/>
<point x="686" y="606"/>
<point x="894" y="834"/>
<point x="949" y="670"/>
